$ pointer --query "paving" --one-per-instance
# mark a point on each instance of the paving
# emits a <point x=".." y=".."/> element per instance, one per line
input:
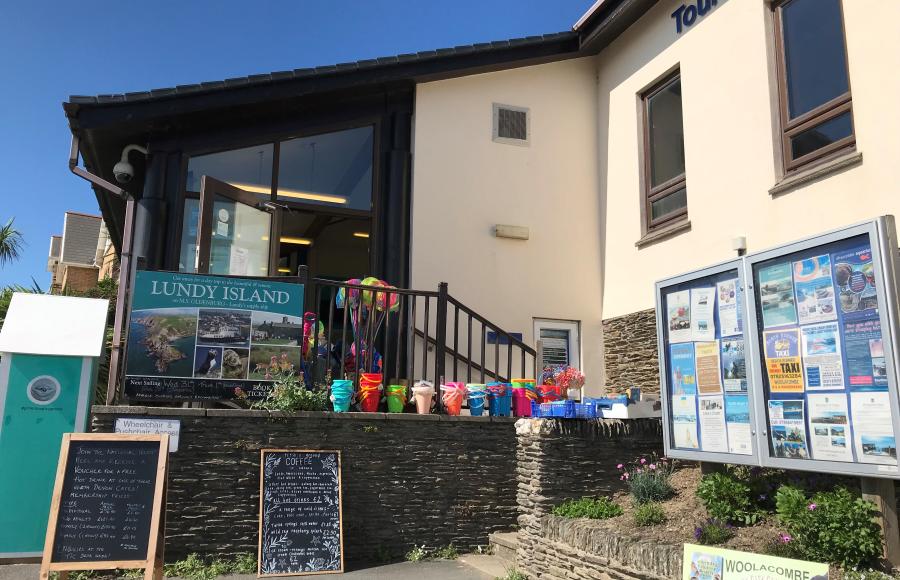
<point x="434" y="570"/>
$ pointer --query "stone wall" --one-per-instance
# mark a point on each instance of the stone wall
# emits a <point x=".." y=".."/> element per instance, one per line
<point x="560" y="460"/>
<point x="630" y="354"/>
<point x="407" y="479"/>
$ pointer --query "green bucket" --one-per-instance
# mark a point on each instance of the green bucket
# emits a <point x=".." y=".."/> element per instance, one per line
<point x="396" y="398"/>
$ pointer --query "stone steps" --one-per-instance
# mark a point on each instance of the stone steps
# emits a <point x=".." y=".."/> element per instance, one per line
<point x="504" y="546"/>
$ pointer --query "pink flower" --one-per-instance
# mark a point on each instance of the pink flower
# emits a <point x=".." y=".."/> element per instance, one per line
<point x="621" y="478"/>
<point x="784" y="538"/>
<point x="619" y="466"/>
<point x="643" y="461"/>
<point x="652" y="466"/>
<point x="625" y="476"/>
<point x="811" y="507"/>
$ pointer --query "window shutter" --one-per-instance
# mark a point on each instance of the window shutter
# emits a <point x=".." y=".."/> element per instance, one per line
<point x="556" y="346"/>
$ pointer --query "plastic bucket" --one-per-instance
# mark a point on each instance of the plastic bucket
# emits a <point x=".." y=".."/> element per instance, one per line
<point x="521" y="402"/>
<point x="499" y="399"/>
<point x="396" y="398"/>
<point x="452" y="395"/>
<point x="477" y="393"/>
<point x="369" y="392"/>
<point x="341" y="393"/>
<point x="548" y="393"/>
<point x="423" y="393"/>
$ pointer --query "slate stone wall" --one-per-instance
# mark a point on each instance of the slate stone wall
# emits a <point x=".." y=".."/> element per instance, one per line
<point x="407" y="479"/>
<point x="560" y="460"/>
<point x="630" y="352"/>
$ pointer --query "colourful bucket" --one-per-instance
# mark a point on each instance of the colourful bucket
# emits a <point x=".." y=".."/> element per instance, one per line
<point x="549" y="393"/>
<point x="521" y="402"/>
<point x="477" y="393"/>
<point x="499" y="399"/>
<point x="396" y="398"/>
<point x="369" y="392"/>
<point x="341" y="393"/>
<point x="452" y="395"/>
<point x="423" y="393"/>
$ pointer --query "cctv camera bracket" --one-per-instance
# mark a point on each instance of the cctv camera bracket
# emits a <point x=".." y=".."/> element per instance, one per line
<point x="95" y="179"/>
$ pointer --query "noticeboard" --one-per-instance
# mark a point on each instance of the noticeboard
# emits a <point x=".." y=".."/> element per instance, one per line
<point x="820" y="326"/>
<point x="108" y="504"/>
<point x="702" y="336"/>
<point x="196" y="337"/>
<point x="300" y="513"/>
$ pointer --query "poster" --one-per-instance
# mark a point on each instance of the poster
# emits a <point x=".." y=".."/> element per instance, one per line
<point x="783" y="361"/>
<point x="196" y="337"/>
<point x="788" y="429"/>
<point x="684" y="421"/>
<point x="814" y="290"/>
<point x="684" y="374"/>
<point x="703" y="324"/>
<point x="737" y="420"/>
<point x="239" y="261"/>
<point x="729" y="306"/>
<point x="734" y="366"/>
<point x="829" y="427"/>
<point x="873" y="432"/>
<point x="709" y="380"/>
<point x="678" y="316"/>
<point x="709" y="563"/>
<point x="854" y="277"/>
<point x="712" y="424"/>
<point x="821" y="353"/>
<point x="866" y="366"/>
<point x="776" y="295"/>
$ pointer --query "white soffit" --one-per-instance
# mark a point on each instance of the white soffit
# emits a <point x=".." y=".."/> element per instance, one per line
<point x="54" y="325"/>
<point x="594" y="7"/>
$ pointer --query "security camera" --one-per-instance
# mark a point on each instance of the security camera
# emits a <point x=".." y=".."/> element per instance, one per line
<point x="123" y="170"/>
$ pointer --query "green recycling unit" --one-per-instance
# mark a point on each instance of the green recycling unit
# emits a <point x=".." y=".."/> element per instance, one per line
<point x="786" y="358"/>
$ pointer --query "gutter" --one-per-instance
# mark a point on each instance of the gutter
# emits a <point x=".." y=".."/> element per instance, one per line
<point x="85" y="174"/>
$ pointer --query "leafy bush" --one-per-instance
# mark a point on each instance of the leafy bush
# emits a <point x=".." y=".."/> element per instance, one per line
<point x="448" y="552"/>
<point x="648" y="479"/>
<point x="417" y="554"/>
<point x="728" y="499"/>
<point x="196" y="568"/>
<point x="836" y="526"/>
<point x="649" y="514"/>
<point x="288" y="392"/>
<point x="784" y="546"/>
<point x="713" y="531"/>
<point x="600" y="508"/>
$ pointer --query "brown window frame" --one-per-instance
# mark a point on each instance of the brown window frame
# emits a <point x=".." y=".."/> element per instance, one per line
<point x="824" y="112"/>
<point x="653" y="194"/>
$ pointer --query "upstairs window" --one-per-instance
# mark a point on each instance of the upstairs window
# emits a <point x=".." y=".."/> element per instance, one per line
<point x="665" y="185"/>
<point x="813" y="83"/>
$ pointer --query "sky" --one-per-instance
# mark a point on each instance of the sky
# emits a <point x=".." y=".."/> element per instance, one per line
<point x="50" y="49"/>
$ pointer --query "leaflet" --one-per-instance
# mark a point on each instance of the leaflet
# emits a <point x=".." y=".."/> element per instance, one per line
<point x="737" y="419"/>
<point x="814" y="290"/>
<point x="678" y="316"/>
<point x="712" y="424"/>
<point x="873" y="433"/>
<point x="709" y="379"/>
<point x="788" y="429"/>
<point x="734" y="366"/>
<point x="854" y="277"/>
<point x="776" y="295"/>
<point x="729" y="306"/>
<point x="783" y="361"/>
<point x="829" y="427"/>
<point x="822" y="366"/>
<point x="866" y="366"/>
<point x="684" y="421"/>
<point x="703" y="324"/>
<point x="684" y="374"/>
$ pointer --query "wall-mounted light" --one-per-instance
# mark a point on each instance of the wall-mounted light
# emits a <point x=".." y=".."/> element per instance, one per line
<point x="298" y="241"/>
<point x="308" y="195"/>
<point x="284" y="270"/>
<point x="739" y="245"/>
<point x="360" y="234"/>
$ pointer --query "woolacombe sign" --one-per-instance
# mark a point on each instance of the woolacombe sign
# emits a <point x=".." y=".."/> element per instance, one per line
<point x="195" y="337"/>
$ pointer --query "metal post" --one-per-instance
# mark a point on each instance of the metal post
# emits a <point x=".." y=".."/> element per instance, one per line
<point x="440" y="342"/>
<point x="126" y="267"/>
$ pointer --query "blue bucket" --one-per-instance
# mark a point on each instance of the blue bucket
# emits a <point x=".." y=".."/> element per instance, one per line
<point x="476" y="396"/>
<point x="500" y="399"/>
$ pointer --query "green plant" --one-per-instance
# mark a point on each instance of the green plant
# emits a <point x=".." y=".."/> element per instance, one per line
<point x="12" y="244"/>
<point x="600" y="508"/>
<point x="512" y="574"/>
<point x="196" y="568"/>
<point x="649" y="514"/>
<point x="784" y="546"/>
<point x="728" y="499"/>
<point x="370" y="428"/>
<point x="834" y="526"/>
<point x="288" y="393"/>
<point x="713" y="531"/>
<point x="448" y="552"/>
<point x="648" y="479"/>
<point x="417" y="554"/>
<point x="244" y="564"/>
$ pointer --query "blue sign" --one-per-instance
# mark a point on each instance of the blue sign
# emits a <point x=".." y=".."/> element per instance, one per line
<point x="687" y="14"/>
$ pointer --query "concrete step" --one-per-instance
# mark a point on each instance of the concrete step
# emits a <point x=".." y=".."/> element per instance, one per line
<point x="488" y="564"/>
<point x="504" y="546"/>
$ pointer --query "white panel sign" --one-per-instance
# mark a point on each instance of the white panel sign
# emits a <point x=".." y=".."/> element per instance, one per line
<point x="144" y="426"/>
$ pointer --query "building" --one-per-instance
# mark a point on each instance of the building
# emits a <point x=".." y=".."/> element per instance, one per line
<point x="549" y="180"/>
<point x="82" y="255"/>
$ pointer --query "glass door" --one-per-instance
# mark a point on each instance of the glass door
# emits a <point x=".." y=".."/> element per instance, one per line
<point x="235" y="231"/>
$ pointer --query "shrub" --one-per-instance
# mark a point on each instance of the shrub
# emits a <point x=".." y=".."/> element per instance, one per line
<point x="648" y="479"/>
<point x="728" y="499"/>
<point x="446" y="553"/>
<point x="417" y="554"/>
<point x="836" y="526"/>
<point x="784" y="546"/>
<point x="649" y="514"/>
<point x="288" y="392"/>
<point x="713" y="531"/>
<point x="600" y="508"/>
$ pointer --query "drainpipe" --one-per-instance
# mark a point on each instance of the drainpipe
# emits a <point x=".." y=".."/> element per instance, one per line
<point x="85" y="174"/>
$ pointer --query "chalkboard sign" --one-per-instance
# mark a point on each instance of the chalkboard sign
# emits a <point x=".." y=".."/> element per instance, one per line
<point x="107" y="503"/>
<point x="300" y="521"/>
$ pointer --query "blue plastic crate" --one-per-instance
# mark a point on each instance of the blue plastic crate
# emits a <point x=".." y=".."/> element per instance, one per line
<point x="586" y="411"/>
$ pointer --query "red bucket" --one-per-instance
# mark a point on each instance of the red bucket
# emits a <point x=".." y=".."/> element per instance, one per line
<point x="369" y="392"/>
<point x="549" y="393"/>
<point x="521" y="403"/>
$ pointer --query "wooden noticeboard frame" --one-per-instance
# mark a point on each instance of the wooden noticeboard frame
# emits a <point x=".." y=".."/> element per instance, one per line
<point x="153" y="563"/>
<point x="262" y="465"/>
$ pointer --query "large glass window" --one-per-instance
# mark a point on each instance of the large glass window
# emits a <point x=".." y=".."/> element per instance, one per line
<point x="814" y="86"/>
<point x="331" y="169"/>
<point x="249" y="168"/>
<point x="665" y="191"/>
